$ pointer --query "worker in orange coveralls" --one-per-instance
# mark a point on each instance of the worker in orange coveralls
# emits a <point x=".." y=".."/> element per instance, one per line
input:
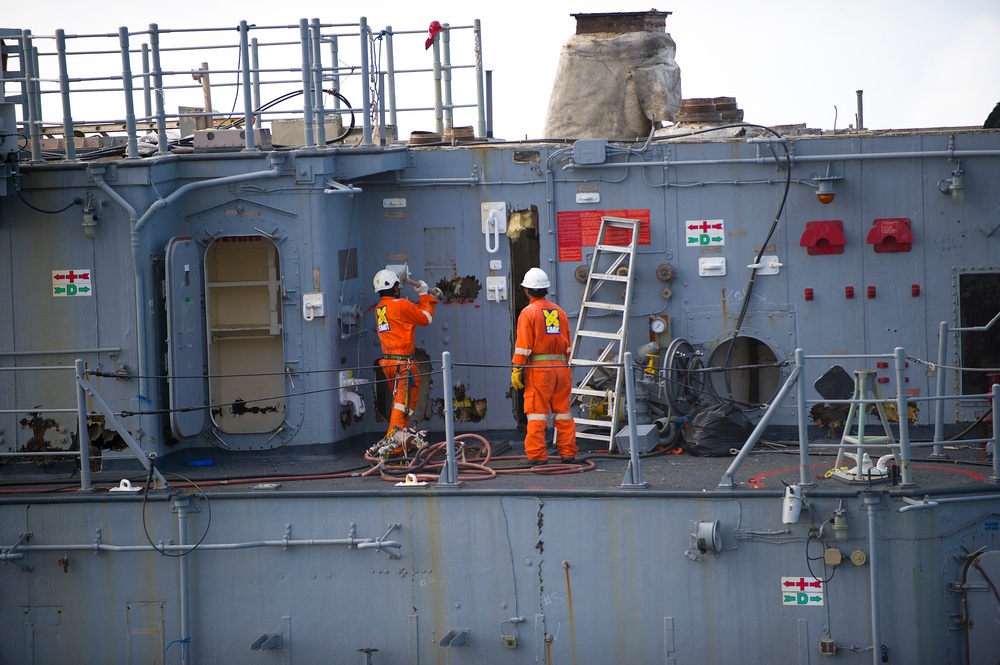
<point x="542" y="348"/>
<point x="396" y="320"/>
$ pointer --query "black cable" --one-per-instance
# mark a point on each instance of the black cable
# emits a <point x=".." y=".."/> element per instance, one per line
<point x="753" y="274"/>
<point x="76" y="201"/>
<point x="208" y="504"/>
<point x="809" y="539"/>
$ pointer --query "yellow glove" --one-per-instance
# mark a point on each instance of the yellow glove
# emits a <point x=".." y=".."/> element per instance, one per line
<point x="517" y="378"/>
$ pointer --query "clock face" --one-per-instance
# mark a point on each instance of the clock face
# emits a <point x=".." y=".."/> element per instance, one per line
<point x="658" y="326"/>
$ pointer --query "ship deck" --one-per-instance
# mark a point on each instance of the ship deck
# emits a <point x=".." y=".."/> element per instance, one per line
<point x="343" y="468"/>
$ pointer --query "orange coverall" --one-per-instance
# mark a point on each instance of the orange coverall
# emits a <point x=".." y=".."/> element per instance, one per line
<point x="543" y="341"/>
<point x="396" y="320"/>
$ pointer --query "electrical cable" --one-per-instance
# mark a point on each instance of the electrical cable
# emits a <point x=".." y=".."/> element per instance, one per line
<point x="145" y="530"/>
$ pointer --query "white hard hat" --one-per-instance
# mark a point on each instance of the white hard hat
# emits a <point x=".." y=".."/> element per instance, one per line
<point x="535" y="278"/>
<point x="385" y="279"/>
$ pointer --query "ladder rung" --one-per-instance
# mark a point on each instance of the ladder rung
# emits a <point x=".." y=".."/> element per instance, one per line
<point x="596" y="333"/>
<point x="608" y="277"/>
<point x="604" y="305"/>
<point x="591" y="435"/>
<point x="590" y="391"/>
<point x="871" y="440"/>
<point x="620" y="249"/>
<point x="611" y="367"/>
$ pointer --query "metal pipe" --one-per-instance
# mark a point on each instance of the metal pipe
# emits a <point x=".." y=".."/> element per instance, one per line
<point x="633" y="474"/>
<point x="940" y="383"/>
<point x="68" y="137"/>
<point x="84" y="435"/>
<point x="449" y="472"/>
<point x="873" y="576"/>
<point x="181" y="505"/>
<point x="316" y="64"/>
<point x="157" y="74"/>
<point x="249" y="140"/>
<point x="903" y="415"/>
<point x="351" y="543"/>
<point x="796" y="159"/>
<point x="480" y="105"/>
<point x="727" y="477"/>
<point x="861" y="111"/>
<point x="132" y="149"/>
<point x="366" y="99"/>
<point x="308" y="138"/>
<point x="390" y="89"/>
<point x="805" y="480"/>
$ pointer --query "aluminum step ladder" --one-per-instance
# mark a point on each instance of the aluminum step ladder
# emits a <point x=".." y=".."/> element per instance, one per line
<point x="864" y="469"/>
<point x="599" y="342"/>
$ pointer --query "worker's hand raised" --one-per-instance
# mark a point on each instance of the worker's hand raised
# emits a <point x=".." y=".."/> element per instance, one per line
<point x="421" y="288"/>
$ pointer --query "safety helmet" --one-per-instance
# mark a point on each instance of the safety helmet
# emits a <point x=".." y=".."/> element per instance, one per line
<point x="535" y="278"/>
<point x="385" y="279"/>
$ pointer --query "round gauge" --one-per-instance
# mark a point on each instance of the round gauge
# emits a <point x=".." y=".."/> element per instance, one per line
<point x="658" y="325"/>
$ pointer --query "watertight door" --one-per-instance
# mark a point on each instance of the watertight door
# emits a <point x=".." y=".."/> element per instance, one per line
<point x="982" y="578"/>
<point x="246" y="384"/>
<point x="186" y="362"/>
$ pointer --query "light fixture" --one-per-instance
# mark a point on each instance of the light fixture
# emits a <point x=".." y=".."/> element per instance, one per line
<point x="825" y="192"/>
<point x="91" y="213"/>
<point x="955" y="185"/>
<point x="824" y="185"/>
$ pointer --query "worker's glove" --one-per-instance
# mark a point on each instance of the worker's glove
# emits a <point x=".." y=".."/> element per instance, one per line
<point x="421" y="288"/>
<point x="437" y="293"/>
<point x="517" y="378"/>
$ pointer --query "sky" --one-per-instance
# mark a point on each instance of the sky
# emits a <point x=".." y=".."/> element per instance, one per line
<point x="919" y="63"/>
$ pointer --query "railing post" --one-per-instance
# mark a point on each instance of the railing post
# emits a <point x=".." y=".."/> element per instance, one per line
<point x="995" y="478"/>
<point x="366" y="99"/>
<point x="309" y="138"/>
<point x="480" y="106"/>
<point x="335" y="74"/>
<point x="147" y="96"/>
<point x="390" y="89"/>
<point x="31" y="93"/>
<point x="938" y="450"/>
<point x="805" y="479"/>
<point x="449" y="472"/>
<point x="70" y="147"/>
<point x="157" y="74"/>
<point x="132" y="151"/>
<point x="317" y="77"/>
<point x="250" y="141"/>
<point x="633" y="474"/>
<point x="438" y="112"/>
<point x="448" y="109"/>
<point x="903" y="413"/>
<point x="84" y="437"/>
<point x="255" y="73"/>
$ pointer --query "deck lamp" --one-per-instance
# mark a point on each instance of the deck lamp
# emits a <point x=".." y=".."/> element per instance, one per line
<point x="824" y="185"/>
<point x="955" y="185"/>
<point x="825" y="192"/>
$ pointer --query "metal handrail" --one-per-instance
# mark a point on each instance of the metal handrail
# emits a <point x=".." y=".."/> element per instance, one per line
<point x="164" y="68"/>
<point x="84" y="390"/>
<point x="903" y="445"/>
